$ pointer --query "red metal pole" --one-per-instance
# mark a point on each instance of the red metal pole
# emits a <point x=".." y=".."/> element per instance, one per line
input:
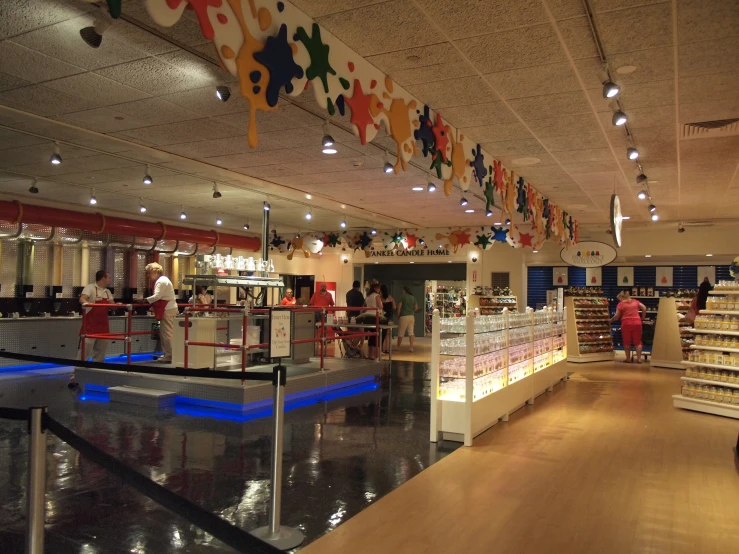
<point x="129" y="329"/>
<point x="83" y="335"/>
<point x="377" y="330"/>
<point x="243" y="340"/>
<point x="322" y="335"/>
<point x="187" y="333"/>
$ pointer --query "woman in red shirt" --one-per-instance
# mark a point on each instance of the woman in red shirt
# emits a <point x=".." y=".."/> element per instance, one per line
<point x="289" y="299"/>
<point x="631" y="313"/>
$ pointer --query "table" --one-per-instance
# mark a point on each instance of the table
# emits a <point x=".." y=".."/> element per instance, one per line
<point x="369" y="326"/>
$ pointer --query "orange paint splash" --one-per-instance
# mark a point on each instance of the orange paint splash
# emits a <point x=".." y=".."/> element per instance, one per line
<point x="401" y="128"/>
<point x="227" y="52"/>
<point x="389" y="84"/>
<point x="264" y="18"/>
<point x="510" y="196"/>
<point x="459" y="165"/>
<point x="255" y="93"/>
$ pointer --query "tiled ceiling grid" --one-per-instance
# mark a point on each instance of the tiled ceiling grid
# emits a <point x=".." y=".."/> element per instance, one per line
<point x="149" y="90"/>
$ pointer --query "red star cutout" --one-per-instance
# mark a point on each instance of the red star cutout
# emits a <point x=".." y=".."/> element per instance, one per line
<point x="524" y="239"/>
<point x="411" y="240"/>
<point x="464" y="237"/>
<point x="499" y="177"/>
<point x="325" y="240"/>
<point x="441" y="134"/>
<point x="360" y="105"/>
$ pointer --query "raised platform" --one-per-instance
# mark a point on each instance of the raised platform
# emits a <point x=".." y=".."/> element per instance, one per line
<point x="303" y="381"/>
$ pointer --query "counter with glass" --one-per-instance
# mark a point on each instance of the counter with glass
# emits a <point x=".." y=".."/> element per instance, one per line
<point x="510" y="359"/>
<point x="711" y="380"/>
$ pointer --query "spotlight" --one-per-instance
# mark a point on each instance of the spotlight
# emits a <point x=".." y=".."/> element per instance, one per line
<point x="142" y="208"/>
<point x="632" y="153"/>
<point x="147" y="177"/>
<point x="246" y="226"/>
<point x="216" y="192"/>
<point x="655" y="217"/>
<point x="488" y="213"/>
<point x="93" y="200"/>
<point x="641" y="179"/>
<point x="328" y="141"/>
<point x="219" y="221"/>
<point x="93" y="36"/>
<point x="652" y="208"/>
<point x="680" y="228"/>
<point x="642" y="195"/>
<point x="343" y="224"/>
<point x="463" y="201"/>
<point x="507" y="220"/>
<point x="34" y="188"/>
<point x="183" y="215"/>
<point x="266" y="206"/>
<point x="223" y="93"/>
<point x="421" y="242"/>
<point x="373" y="232"/>
<point x="619" y="118"/>
<point x="387" y="167"/>
<point x="610" y="89"/>
<point x="56" y="157"/>
<point x="309" y="215"/>
<point x="431" y="187"/>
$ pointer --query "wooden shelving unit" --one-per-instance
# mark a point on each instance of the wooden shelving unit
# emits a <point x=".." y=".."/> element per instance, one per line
<point x="672" y="337"/>
<point x="491" y="305"/>
<point x="589" y="338"/>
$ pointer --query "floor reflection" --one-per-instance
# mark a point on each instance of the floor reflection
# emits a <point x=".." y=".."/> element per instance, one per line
<point x="339" y="457"/>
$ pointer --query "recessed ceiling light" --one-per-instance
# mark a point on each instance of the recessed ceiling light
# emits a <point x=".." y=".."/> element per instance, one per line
<point x="411" y="262"/>
<point x="536" y="251"/>
<point x="377" y="262"/>
<point x="497" y="223"/>
<point x="647" y="255"/>
<point x="450" y="261"/>
<point x="469" y="211"/>
<point x="626" y="69"/>
<point x="709" y="255"/>
<point x="417" y="189"/>
<point x="308" y="196"/>
<point x="625" y="217"/>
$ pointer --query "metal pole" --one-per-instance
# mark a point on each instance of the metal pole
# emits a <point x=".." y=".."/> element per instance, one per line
<point x="284" y="538"/>
<point x="36" y="492"/>
<point x="129" y="329"/>
<point x="187" y="334"/>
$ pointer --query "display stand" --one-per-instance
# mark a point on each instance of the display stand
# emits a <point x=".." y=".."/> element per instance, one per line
<point x="511" y="359"/>
<point x="668" y="341"/>
<point x="589" y="339"/>
<point x="711" y="381"/>
<point x="490" y="305"/>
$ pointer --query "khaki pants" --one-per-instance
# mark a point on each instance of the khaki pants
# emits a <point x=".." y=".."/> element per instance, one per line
<point x="406" y="323"/>
<point x="166" y="330"/>
<point x="95" y="348"/>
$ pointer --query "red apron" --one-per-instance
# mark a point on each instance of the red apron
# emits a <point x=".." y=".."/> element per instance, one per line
<point x="159" y="306"/>
<point x="96" y="322"/>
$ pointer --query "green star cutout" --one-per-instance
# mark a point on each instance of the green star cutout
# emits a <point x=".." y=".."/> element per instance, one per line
<point x="483" y="241"/>
<point x="437" y="163"/>
<point x="489" y="195"/>
<point x="319" y="64"/>
<point x="332" y="240"/>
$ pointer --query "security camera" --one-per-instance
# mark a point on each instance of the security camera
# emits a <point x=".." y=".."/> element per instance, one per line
<point x="680" y="228"/>
<point x="346" y="261"/>
<point x="474" y="259"/>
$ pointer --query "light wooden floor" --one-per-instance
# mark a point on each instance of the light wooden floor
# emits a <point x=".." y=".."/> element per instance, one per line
<point x="604" y="464"/>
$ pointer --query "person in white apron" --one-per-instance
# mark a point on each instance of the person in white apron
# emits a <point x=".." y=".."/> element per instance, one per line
<point x="95" y="320"/>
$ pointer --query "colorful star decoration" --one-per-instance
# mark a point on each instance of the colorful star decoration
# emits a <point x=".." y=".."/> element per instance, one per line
<point x="500" y="234"/>
<point x="524" y="239"/>
<point x="478" y="166"/>
<point x="360" y="104"/>
<point x="483" y="241"/>
<point x="331" y="240"/>
<point x="363" y="241"/>
<point x="411" y="241"/>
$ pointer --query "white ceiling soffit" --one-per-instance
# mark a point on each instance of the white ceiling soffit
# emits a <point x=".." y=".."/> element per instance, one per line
<point x="519" y="76"/>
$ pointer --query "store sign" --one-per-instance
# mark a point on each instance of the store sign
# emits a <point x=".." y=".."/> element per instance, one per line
<point x="280" y="333"/>
<point x="399" y="253"/>
<point x="588" y="254"/>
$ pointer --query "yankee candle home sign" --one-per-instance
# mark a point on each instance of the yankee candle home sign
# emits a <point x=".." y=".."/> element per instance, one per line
<point x="399" y="253"/>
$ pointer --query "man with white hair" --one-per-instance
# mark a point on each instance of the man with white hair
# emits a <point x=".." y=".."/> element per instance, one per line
<point x="164" y="303"/>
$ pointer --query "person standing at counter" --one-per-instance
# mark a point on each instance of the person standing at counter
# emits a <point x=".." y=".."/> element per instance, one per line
<point x="322" y="298"/>
<point x="95" y="321"/>
<point x="354" y="299"/>
<point x="289" y="299"/>
<point x="164" y="303"/>
<point x="407" y="308"/>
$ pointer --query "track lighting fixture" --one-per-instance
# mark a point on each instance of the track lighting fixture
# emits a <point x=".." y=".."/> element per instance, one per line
<point x="463" y="201"/>
<point x="632" y="153"/>
<point x="56" y="157"/>
<point x="246" y="226"/>
<point x="147" y="180"/>
<point x="142" y="208"/>
<point x="652" y="208"/>
<point x="328" y="141"/>
<point x="34" y="188"/>
<point x="309" y="215"/>
<point x="373" y="232"/>
<point x="93" y="36"/>
<point x="431" y="187"/>
<point x="421" y="242"/>
<point x="183" y="215"/>
<point x="219" y="221"/>
<point x="343" y="224"/>
<point x="641" y="179"/>
<point x="507" y="220"/>
<point x="489" y="213"/>
<point x="642" y="195"/>
<point x="681" y="229"/>
<point x="610" y="89"/>
<point x="655" y="217"/>
<point x="223" y="93"/>
<point x="266" y="206"/>
<point x="387" y="167"/>
<point x="93" y="200"/>
<point x="619" y="118"/>
<point x="216" y="192"/>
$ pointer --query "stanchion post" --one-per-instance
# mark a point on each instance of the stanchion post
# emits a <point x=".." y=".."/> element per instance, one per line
<point x="378" y="350"/>
<point x="129" y="331"/>
<point x="187" y="333"/>
<point x="244" y="334"/>
<point x="36" y="492"/>
<point x="322" y="342"/>
<point x="284" y="538"/>
<point x="83" y="335"/>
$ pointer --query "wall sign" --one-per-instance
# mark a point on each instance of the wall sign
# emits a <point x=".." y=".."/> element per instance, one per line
<point x="707" y="271"/>
<point x="588" y="254"/>
<point x="559" y="276"/>
<point x="664" y="277"/>
<point x="413" y="253"/>
<point x="625" y="277"/>
<point x="594" y="277"/>
<point x="280" y="333"/>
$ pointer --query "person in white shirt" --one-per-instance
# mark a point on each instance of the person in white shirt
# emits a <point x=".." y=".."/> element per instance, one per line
<point x="96" y="318"/>
<point x="165" y="307"/>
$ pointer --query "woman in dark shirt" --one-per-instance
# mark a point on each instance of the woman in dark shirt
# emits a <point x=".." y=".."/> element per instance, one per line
<point x="388" y="308"/>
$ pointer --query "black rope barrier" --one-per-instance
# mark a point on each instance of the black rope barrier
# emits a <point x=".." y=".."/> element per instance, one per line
<point x="16" y="414"/>
<point x="152" y="370"/>
<point x="210" y="523"/>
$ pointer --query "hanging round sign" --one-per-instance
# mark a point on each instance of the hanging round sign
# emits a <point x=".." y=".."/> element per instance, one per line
<point x="616" y="220"/>
<point x="588" y="254"/>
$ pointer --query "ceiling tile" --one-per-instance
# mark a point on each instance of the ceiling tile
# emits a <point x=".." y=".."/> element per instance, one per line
<point x="583" y="141"/>
<point x="104" y="120"/>
<point x="156" y="76"/>
<point x="711" y="56"/>
<point x="495" y="133"/>
<point x="185" y="31"/>
<point x="416" y="58"/>
<point x="659" y="116"/>
<point x="295" y="138"/>
<point x="534" y="81"/>
<point x="581" y="156"/>
<point x="655" y="64"/>
<point x="638" y="28"/>
<point x="96" y="90"/>
<point x="591" y="167"/>
<point x="42" y="101"/>
<point x="203" y="101"/>
<point x="156" y="111"/>
<point x="465" y="18"/>
<point x="184" y="131"/>
<point x="255" y="159"/>
<point x="26" y="15"/>
<point x="23" y="63"/>
<point x="517" y="48"/>
<point x="8" y="82"/>
<point x="719" y="86"/>
<point x="315" y="8"/>
<point x="709" y="111"/>
<point x="513" y="148"/>
<point x="379" y="28"/>
<point x="697" y="19"/>
<point x="489" y="113"/>
<point x="564" y="125"/>
<point x="565" y="9"/>
<point x="454" y="92"/>
<point x="612" y="5"/>
<point x="538" y="107"/>
<point x="646" y="95"/>
<point x="427" y="74"/>
<point x="578" y="37"/>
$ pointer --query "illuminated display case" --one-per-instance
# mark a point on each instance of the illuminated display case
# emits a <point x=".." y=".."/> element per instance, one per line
<point x="590" y="339"/>
<point x="511" y="359"/>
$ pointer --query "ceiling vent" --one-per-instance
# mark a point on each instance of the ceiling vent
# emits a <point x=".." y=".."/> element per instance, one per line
<point x="711" y="129"/>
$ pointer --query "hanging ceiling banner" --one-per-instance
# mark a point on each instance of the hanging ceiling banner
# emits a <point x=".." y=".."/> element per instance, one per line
<point x="588" y="254"/>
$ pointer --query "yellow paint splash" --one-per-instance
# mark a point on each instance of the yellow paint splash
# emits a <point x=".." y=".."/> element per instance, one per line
<point x="459" y="165"/>
<point x="401" y="128"/>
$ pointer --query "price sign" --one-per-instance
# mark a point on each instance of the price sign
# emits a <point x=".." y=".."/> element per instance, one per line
<point x="280" y="333"/>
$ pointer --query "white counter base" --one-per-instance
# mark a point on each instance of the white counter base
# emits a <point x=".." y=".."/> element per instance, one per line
<point x="705" y="406"/>
<point x="587" y="358"/>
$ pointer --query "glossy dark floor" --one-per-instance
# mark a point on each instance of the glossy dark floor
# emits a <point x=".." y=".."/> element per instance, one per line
<point x="340" y="456"/>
